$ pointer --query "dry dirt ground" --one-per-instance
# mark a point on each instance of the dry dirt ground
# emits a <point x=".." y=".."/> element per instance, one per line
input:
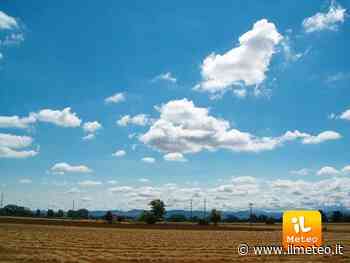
<point x="41" y="243"/>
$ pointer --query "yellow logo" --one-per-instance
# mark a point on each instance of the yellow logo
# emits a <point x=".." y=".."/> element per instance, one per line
<point x="302" y="229"/>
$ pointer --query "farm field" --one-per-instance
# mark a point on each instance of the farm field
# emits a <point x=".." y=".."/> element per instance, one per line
<point x="44" y="243"/>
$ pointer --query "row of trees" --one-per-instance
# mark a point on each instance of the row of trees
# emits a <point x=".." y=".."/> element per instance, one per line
<point x="15" y="210"/>
<point x="157" y="213"/>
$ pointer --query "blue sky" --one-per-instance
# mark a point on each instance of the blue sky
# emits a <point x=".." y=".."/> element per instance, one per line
<point x="113" y="105"/>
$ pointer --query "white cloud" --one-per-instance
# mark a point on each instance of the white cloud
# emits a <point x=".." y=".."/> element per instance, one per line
<point x="139" y="119"/>
<point x="143" y="180"/>
<point x="9" y="145"/>
<point x="64" y="118"/>
<point x="289" y="53"/>
<point x="89" y="137"/>
<point x="7" y="22"/>
<point x="88" y="183"/>
<point x="116" y="98"/>
<point x="25" y="181"/>
<point x="346" y="169"/>
<point x="345" y="115"/>
<point x="92" y="127"/>
<point x="6" y="152"/>
<point x="16" y="122"/>
<point x="112" y="182"/>
<point x="119" y="153"/>
<point x="166" y="76"/>
<point x="322" y="137"/>
<point x="175" y="157"/>
<point x="185" y="128"/>
<point x="61" y="168"/>
<point x="148" y="160"/>
<point x="303" y="172"/>
<point x="12" y="39"/>
<point x="328" y="170"/>
<point x="325" y="21"/>
<point x="245" y="65"/>
<point x="14" y="141"/>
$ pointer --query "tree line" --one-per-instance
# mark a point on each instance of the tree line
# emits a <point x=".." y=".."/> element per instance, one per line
<point x="157" y="213"/>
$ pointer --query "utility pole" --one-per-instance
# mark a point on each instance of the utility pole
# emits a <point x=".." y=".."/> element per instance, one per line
<point x="73" y="205"/>
<point x="205" y="208"/>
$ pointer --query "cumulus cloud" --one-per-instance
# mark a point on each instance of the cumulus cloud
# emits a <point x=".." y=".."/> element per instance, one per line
<point x="88" y="183"/>
<point x="244" y="65"/>
<point x="116" y="98"/>
<point x="7" y="22"/>
<point x="345" y="115"/>
<point x="165" y="76"/>
<point x="139" y="119"/>
<point x="272" y="194"/>
<point x="185" y="128"/>
<point x="175" y="157"/>
<point x="62" y="168"/>
<point x="91" y="129"/>
<point x="63" y="118"/>
<point x="322" y="137"/>
<point x="11" y="146"/>
<point x="328" y="170"/>
<point x="346" y="169"/>
<point x="119" y="153"/>
<point x="325" y="21"/>
<point x="16" y="122"/>
<point x="148" y="160"/>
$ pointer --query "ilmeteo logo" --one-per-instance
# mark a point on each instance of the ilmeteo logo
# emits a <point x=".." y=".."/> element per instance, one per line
<point x="302" y="229"/>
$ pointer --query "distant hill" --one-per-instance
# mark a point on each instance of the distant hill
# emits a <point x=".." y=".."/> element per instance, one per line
<point x="196" y="213"/>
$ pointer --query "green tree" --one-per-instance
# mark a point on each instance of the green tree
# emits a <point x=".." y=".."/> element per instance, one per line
<point x="337" y="216"/>
<point x="148" y="217"/>
<point x="60" y="213"/>
<point x="108" y="217"/>
<point x="158" y="209"/>
<point x="50" y="213"/>
<point x="323" y="216"/>
<point x="38" y="213"/>
<point x="215" y="216"/>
